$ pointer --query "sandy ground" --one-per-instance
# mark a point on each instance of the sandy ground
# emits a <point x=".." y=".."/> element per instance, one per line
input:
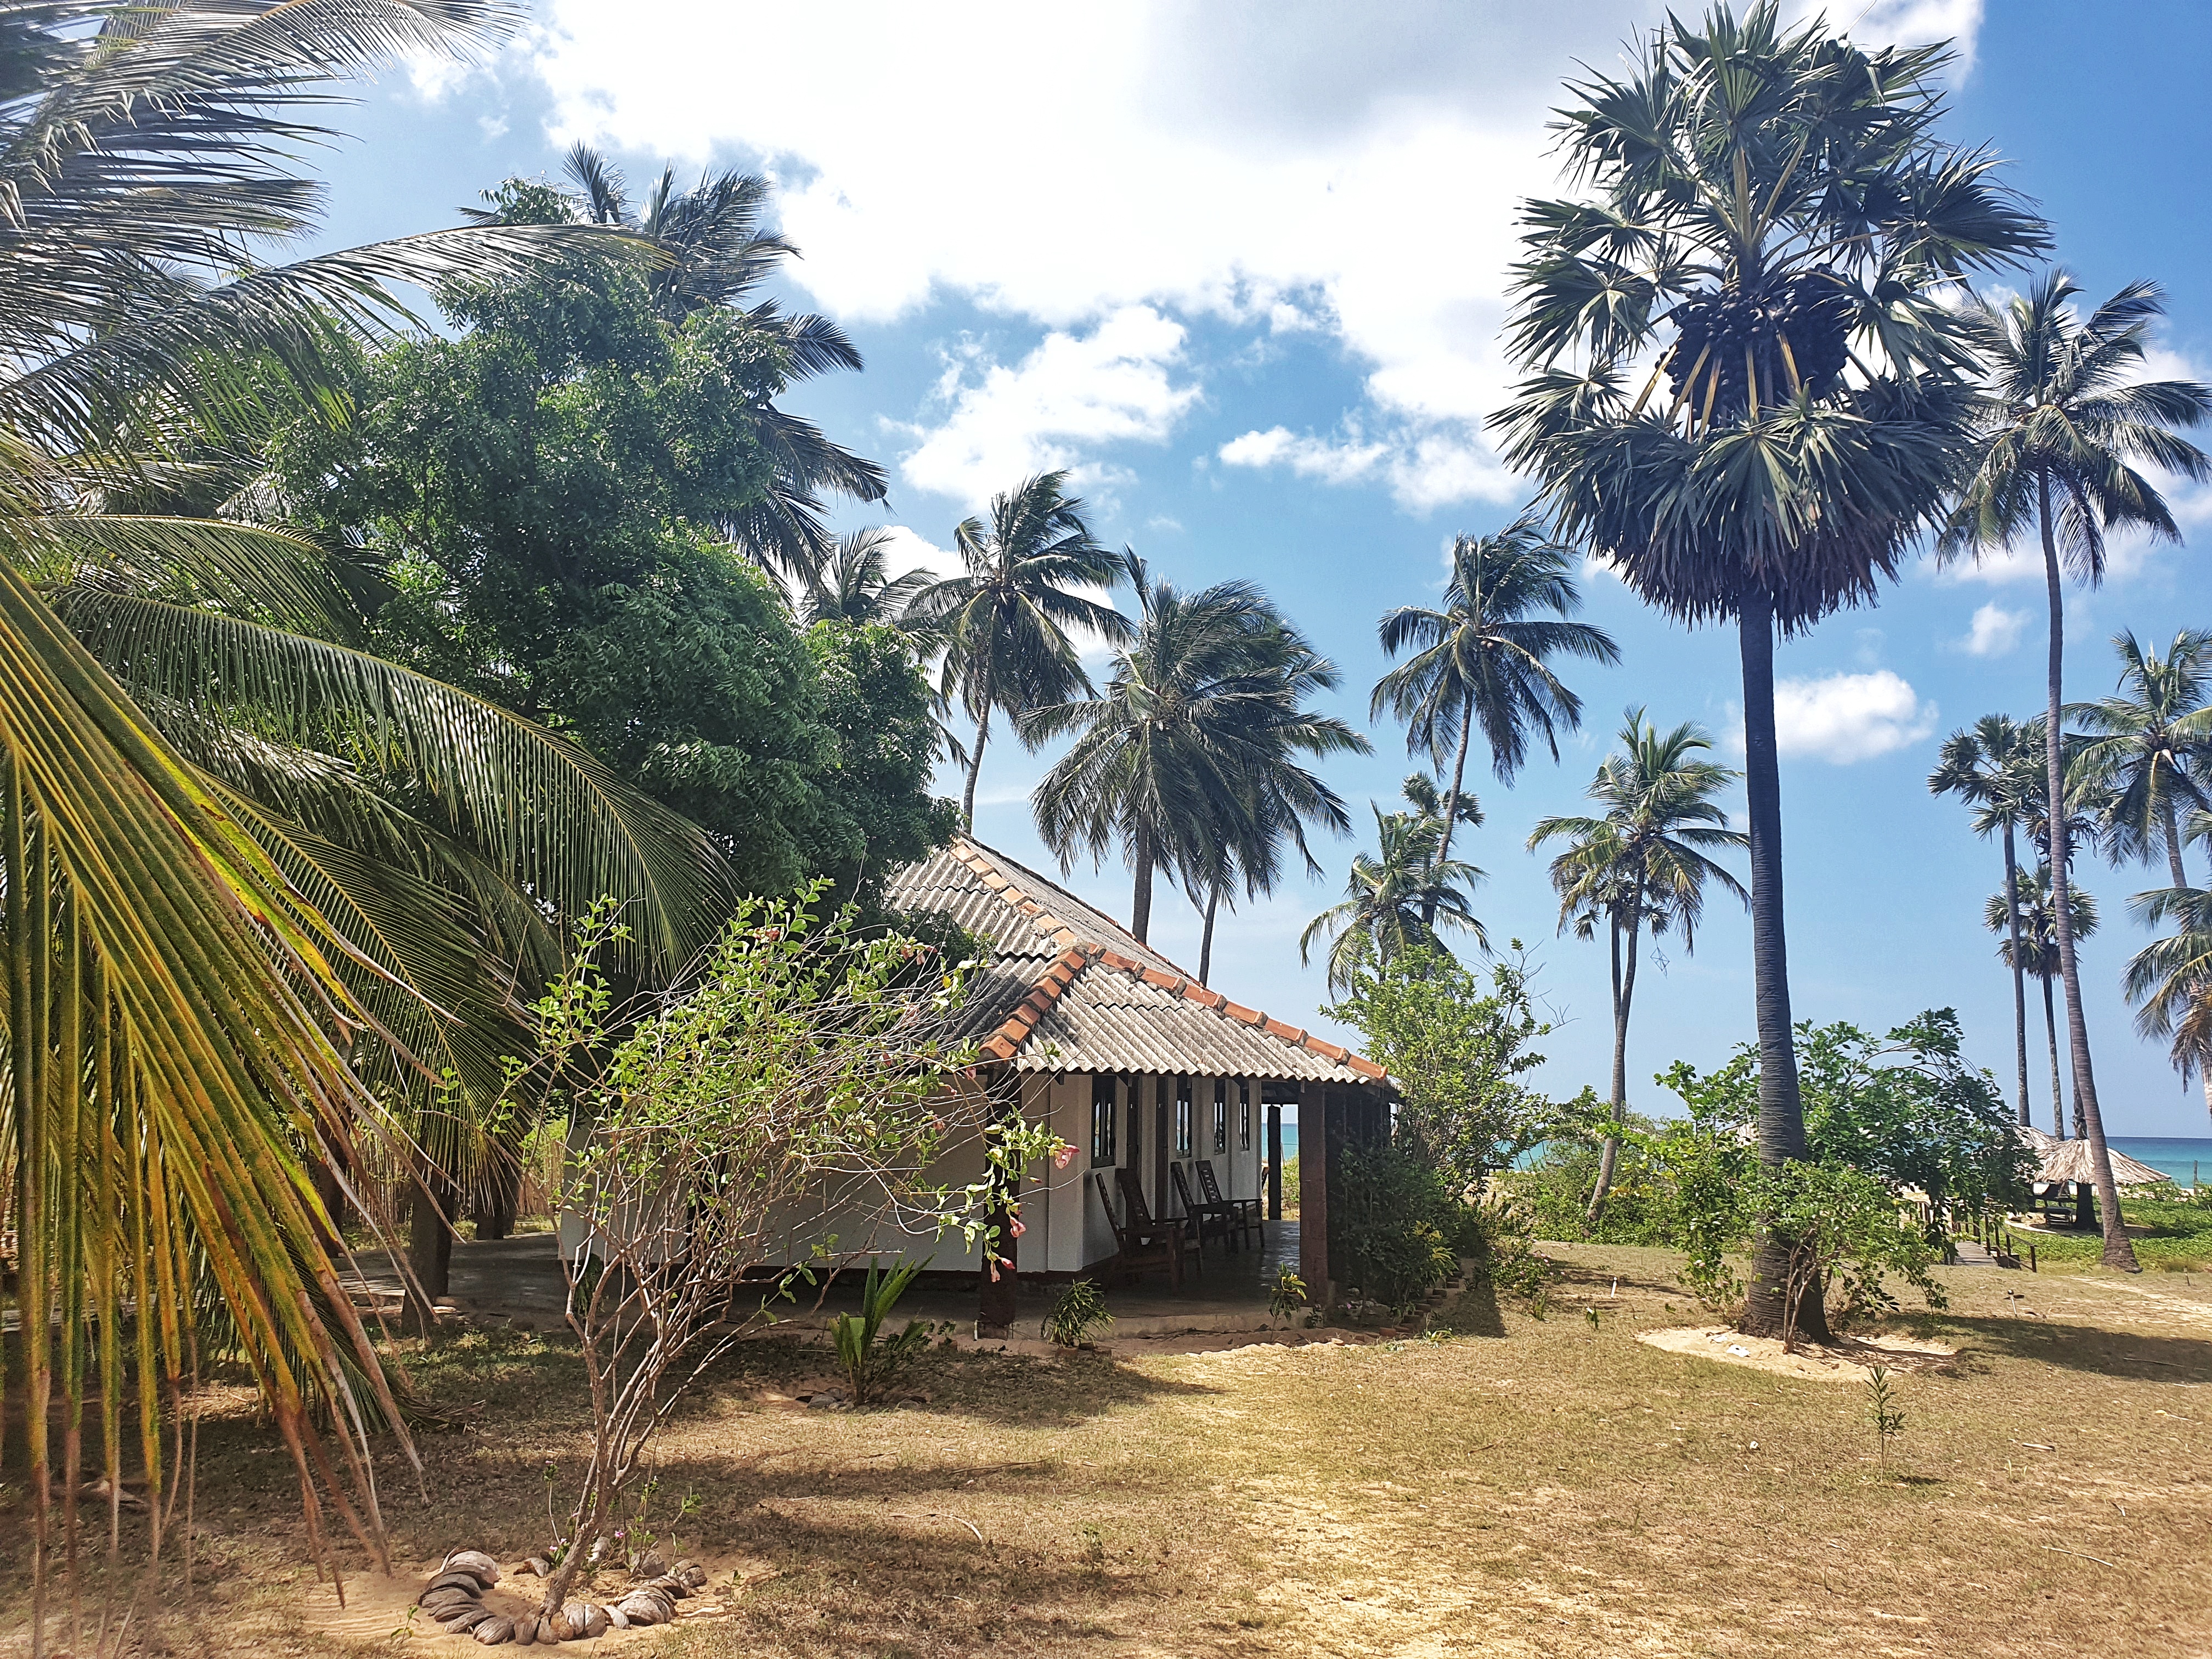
<point x="1851" y="1362"/>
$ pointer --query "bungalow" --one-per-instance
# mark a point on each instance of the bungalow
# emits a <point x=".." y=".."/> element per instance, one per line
<point x="1137" y="1066"/>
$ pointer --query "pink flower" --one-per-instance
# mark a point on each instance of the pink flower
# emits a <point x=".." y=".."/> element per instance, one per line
<point x="1063" y="1157"/>
<point x="1018" y="1230"/>
<point x="995" y="1270"/>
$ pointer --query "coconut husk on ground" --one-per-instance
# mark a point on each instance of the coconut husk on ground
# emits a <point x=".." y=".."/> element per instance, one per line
<point x="1848" y="1360"/>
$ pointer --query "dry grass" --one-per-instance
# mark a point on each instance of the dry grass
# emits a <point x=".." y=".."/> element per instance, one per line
<point x="1535" y="1488"/>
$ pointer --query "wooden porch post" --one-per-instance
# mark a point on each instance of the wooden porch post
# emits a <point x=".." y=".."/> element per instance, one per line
<point x="1160" y="1148"/>
<point x="1315" y="1134"/>
<point x="1275" y="1163"/>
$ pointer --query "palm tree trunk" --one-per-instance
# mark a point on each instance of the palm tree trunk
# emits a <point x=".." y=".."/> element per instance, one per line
<point x="2173" y="844"/>
<point x="1624" y="992"/>
<point x="974" y="769"/>
<point x="2019" y="968"/>
<point x="2057" y="1072"/>
<point x="1205" y="939"/>
<point x="1451" y="807"/>
<point x="429" y="1243"/>
<point x="1768" y="1309"/>
<point x="1140" y="907"/>
<point x="2118" y="1252"/>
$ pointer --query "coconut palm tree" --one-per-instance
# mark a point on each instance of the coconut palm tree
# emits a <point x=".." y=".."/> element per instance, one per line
<point x="2148" y="747"/>
<point x="1397" y="899"/>
<point x="721" y="254"/>
<point x="1187" y="761"/>
<point x="854" y="584"/>
<point x="2170" y="980"/>
<point x="1644" y="861"/>
<point x="1770" y="226"/>
<point x="1992" y="766"/>
<point x="213" y="930"/>
<point x="2035" y="950"/>
<point x="1481" y="658"/>
<point x="1004" y="623"/>
<point x="2065" y="420"/>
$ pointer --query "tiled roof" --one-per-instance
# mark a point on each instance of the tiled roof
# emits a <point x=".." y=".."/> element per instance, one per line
<point x="1070" y="990"/>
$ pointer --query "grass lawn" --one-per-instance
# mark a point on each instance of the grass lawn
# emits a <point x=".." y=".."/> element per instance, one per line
<point x="1533" y="1487"/>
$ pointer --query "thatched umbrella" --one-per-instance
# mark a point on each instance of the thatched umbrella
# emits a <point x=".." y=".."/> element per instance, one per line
<point x="2070" y="1161"/>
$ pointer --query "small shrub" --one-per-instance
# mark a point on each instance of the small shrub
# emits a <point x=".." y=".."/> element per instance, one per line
<point x="1499" y="1237"/>
<point x="1882" y="1410"/>
<point x="1286" y="1294"/>
<point x="1076" y="1312"/>
<point x="870" y="1358"/>
<point x="1385" y="1227"/>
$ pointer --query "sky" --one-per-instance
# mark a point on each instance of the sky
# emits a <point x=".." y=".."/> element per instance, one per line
<point x="1241" y="269"/>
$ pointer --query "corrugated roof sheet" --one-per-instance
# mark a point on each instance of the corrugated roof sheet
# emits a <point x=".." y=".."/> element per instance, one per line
<point x="1069" y="989"/>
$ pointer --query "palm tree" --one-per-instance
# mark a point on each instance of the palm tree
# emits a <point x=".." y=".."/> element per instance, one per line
<point x="2063" y="425"/>
<point x="1772" y="224"/>
<point x="2035" y="949"/>
<point x="1187" y="760"/>
<point x="2170" y="979"/>
<point x="1480" y="657"/>
<point x="184" y="933"/>
<point x="1394" y="900"/>
<point x="2148" y="746"/>
<point x="854" y="584"/>
<point x="1991" y="766"/>
<point x="1645" y="860"/>
<point x="720" y="255"/>
<point x="1004" y="623"/>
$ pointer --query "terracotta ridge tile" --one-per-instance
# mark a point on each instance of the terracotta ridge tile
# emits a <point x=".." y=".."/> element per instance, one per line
<point x="1288" y="1033"/>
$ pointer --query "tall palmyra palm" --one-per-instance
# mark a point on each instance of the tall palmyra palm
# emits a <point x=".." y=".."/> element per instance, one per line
<point x="2064" y="420"/>
<point x="2148" y="749"/>
<point x="721" y="254"/>
<point x="1644" y="861"/>
<point x="2037" y="952"/>
<point x="2170" y="980"/>
<point x="1004" y="623"/>
<point x="205" y="875"/>
<point x="1993" y="767"/>
<point x="1482" y="656"/>
<point x="1771" y="224"/>
<point x="854" y="584"/>
<point x="1397" y="899"/>
<point x="1188" y="761"/>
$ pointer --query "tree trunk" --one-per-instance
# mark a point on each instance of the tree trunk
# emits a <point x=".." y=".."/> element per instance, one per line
<point x="1624" y="990"/>
<point x="2058" y="1072"/>
<point x="2019" y="968"/>
<point x="2118" y="1252"/>
<point x="1205" y="939"/>
<point x="2173" y="844"/>
<point x="1140" y="907"/>
<point x="1781" y="1111"/>
<point x="1451" y="807"/>
<point x="976" y="766"/>
<point x="429" y="1243"/>
<point x="498" y="1196"/>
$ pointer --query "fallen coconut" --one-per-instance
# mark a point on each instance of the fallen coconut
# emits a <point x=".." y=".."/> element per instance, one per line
<point x="649" y="1566"/>
<point x="459" y="1578"/>
<point x="494" y="1630"/>
<point x="616" y="1619"/>
<point x="431" y="1600"/>
<point x="475" y="1561"/>
<point x="596" y="1620"/>
<point x="464" y="1617"/>
<point x="563" y="1630"/>
<point x="539" y="1567"/>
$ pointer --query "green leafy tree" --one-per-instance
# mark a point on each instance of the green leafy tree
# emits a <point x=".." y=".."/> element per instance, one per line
<point x="1397" y="898"/>
<point x="1191" y="754"/>
<point x="1770" y="225"/>
<point x="1461" y="1051"/>
<point x="1643" y="862"/>
<point x="1481" y="658"/>
<point x="2034" y="949"/>
<point x="1992" y="766"/>
<point x="855" y="585"/>
<point x="1004" y="623"/>
<point x="2064" y="420"/>
<point x="182" y="933"/>
<point x="2147" y="748"/>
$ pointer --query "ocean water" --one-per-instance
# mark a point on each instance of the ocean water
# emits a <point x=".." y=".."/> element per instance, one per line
<point x="2187" y="1159"/>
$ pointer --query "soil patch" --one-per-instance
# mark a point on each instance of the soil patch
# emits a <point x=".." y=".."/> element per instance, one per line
<point x="1849" y="1361"/>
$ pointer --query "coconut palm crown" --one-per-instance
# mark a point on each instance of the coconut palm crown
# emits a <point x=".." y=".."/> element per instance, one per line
<point x="2149" y="757"/>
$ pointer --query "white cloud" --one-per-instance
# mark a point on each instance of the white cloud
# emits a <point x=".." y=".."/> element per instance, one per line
<point x="1994" y="631"/>
<point x="1422" y="469"/>
<point x="906" y="550"/>
<point x="1271" y="165"/>
<point x="1069" y="398"/>
<point x="1843" y="717"/>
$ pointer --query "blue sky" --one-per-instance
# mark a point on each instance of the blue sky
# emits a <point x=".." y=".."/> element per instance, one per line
<point x="1242" y="268"/>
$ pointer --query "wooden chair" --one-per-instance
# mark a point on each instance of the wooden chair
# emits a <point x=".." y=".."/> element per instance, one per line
<point x="1246" y="1209"/>
<point x="1214" y="1217"/>
<point x="1141" y="1221"/>
<point x="1136" y="1251"/>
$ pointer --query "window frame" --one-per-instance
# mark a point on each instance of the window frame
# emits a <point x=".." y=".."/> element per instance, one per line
<point x="1105" y="1109"/>
<point x="1183" y="1111"/>
<point x="1244" y="1116"/>
<point x="1221" y="1116"/>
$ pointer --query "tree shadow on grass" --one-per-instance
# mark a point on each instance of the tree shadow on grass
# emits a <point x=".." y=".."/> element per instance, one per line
<point x="2090" y="1348"/>
<point x="1473" y="1312"/>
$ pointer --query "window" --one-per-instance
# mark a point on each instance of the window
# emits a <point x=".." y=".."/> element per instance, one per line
<point x="1220" y="1116"/>
<point x="1244" y="1117"/>
<point x="1136" y="1128"/>
<point x="1182" y="1117"/>
<point x="1101" y="1120"/>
